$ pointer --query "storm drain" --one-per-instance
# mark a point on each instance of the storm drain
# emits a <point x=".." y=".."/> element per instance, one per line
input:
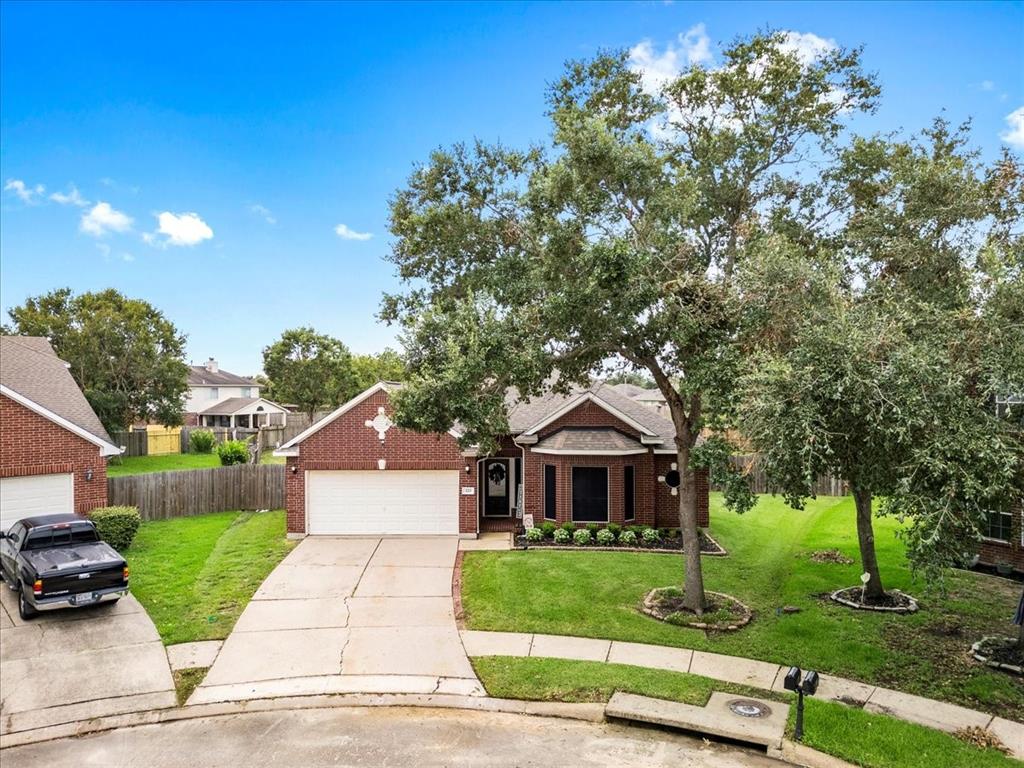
<point x="749" y="708"/>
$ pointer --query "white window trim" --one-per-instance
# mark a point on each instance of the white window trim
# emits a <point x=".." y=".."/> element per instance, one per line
<point x="1008" y="541"/>
<point x="607" y="498"/>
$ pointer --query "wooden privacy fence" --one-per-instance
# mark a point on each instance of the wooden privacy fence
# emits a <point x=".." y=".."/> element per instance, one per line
<point x="162" y="495"/>
<point x="136" y="442"/>
<point x="750" y="465"/>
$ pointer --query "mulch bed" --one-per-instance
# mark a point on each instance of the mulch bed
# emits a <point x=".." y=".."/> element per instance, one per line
<point x="708" y="546"/>
<point x="1002" y="653"/>
<point x="724" y="613"/>
<point x="894" y="601"/>
<point x="830" y="556"/>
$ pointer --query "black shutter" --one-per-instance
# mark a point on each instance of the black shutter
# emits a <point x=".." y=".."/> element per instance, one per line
<point x="628" y="494"/>
<point x="549" y="492"/>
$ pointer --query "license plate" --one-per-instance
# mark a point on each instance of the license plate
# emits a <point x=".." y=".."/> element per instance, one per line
<point x="85" y="599"/>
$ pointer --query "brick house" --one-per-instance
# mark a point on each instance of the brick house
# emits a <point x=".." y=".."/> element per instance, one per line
<point x="53" y="448"/>
<point x="594" y="455"/>
<point x="1004" y="538"/>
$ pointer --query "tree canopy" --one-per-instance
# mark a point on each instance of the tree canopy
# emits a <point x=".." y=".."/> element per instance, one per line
<point x="899" y="351"/>
<point x="310" y="370"/>
<point x="124" y="354"/>
<point x="624" y="241"/>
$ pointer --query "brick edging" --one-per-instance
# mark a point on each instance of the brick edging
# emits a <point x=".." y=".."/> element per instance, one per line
<point x="460" y="617"/>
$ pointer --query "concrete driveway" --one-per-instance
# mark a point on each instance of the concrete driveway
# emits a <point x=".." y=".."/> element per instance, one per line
<point x="76" y="664"/>
<point x="343" y="615"/>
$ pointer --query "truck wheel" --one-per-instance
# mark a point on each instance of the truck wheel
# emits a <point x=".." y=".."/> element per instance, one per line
<point x="25" y="610"/>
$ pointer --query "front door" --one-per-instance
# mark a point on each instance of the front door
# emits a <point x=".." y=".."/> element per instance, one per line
<point x="497" y="487"/>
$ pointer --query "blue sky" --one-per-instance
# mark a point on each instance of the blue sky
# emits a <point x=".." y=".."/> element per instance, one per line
<point x="219" y="147"/>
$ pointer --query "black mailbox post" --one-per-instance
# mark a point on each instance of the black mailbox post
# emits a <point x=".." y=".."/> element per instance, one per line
<point x="808" y="685"/>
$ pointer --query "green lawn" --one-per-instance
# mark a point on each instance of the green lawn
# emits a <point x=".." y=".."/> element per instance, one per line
<point x="596" y="594"/>
<point x="195" y="575"/>
<point x="874" y="741"/>
<point x="137" y="465"/>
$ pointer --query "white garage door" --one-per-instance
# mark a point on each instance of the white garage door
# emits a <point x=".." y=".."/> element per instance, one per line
<point x="388" y="502"/>
<point x="35" y="495"/>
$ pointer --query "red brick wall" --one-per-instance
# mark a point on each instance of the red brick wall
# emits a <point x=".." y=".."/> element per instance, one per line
<point x="32" y="445"/>
<point x="347" y="443"/>
<point x="654" y="503"/>
<point x="995" y="552"/>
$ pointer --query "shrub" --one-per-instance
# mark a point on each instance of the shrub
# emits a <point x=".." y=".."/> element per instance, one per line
<point x="650" y="537"/>
<point x="636" y="529"/>
<point x="534" y="534"/>
<point x="593" y="528"/>
<point x="615" y="529"/>
<point x="627" y="538"/>
<point x="582" y="537"/>
<point x="548" y="528"/>
<point x="605" y="537"/>
<point x="562" y="536"/>
<point x="116" y="525"/>
<point x="201" y="441"/>
<point x="569" y="527"/>
<point x="233" y="452"/>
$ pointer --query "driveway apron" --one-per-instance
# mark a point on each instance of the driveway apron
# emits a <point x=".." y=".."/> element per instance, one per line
<point x="341" y="614"/>
<point x="76" y="664"/>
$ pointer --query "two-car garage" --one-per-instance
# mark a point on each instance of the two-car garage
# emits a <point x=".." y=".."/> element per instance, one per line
<point x="373" y="502"/>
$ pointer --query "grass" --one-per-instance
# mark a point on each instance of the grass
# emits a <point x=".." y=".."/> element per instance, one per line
<point x="186" y="681"/>
<point x="195" y="575"/>
<point x="172" y="462"/>
<point x="873" y="741"/>
<point x="596" y="594"/>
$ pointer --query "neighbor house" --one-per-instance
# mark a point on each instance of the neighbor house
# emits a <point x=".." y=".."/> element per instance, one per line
<point x="650" y="397"/>
<point x="592" y="456"/>
<point x="53" y="448"/>
<point x="217" y="398"/>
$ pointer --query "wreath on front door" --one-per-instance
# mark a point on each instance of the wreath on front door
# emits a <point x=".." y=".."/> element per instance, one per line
<point x="496" y="472"/>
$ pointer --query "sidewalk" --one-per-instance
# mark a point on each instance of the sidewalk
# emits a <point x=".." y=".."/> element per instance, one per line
<point x="734" y="669"/>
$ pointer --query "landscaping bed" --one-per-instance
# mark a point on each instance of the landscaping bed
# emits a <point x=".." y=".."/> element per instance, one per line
<point x="770" y="570"/>
<point x="1005" y="653"/>
<point x="659" y="541"/>
<point x="893" y="601"/>
<point x="723" y="613"/>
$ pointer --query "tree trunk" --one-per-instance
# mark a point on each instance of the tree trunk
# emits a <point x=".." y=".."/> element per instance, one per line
<point x="866" y="538"/>
<point x="693" y="586"/>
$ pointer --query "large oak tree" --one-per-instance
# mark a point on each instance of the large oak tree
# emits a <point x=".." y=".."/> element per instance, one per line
<point x="622" y="240"/>
<point x="124" y="354"/>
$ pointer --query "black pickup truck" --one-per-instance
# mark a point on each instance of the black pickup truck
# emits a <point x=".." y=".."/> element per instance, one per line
<point x="59" y="561"/>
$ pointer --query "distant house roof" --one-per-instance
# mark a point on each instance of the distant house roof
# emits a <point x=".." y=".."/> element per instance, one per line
<point x="640" y="394"/>
<point x="602" y="442"/>
<point x="202" y="376"/>
<point x="235" y="404"/>
<point x="33" y="375"/>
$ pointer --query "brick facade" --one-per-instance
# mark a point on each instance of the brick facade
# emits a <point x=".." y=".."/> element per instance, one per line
<point x="347" y="443"/>
<point x="995" y="552"/>
<point x="33" y="445"/>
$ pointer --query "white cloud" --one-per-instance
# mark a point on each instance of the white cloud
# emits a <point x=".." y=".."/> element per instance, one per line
<point x="657" y="69"/>
<point x="179" y="229"/>
<point x="102" y="219"/>
<point x="345" y="233"/>
<point x="807" y="46"/>
<point x="263" y="213"/>
<point x="1014" y="134"/>
<point x="26" y="193"/>
<point x="73" y="197"/>
<point x="987" y="85"/>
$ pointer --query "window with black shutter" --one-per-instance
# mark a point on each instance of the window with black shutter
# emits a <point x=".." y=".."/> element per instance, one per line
<point x="549" y="492"/>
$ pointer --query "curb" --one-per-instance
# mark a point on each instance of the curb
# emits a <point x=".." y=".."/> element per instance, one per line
<point x="795" y="753"/>
<point x="587" y="712"/>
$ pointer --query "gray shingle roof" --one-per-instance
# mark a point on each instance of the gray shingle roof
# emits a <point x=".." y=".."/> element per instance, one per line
<point x="30" y="367"/>
<point x="523" y="414"/>
<point x="589" y="440"/>
<point x="233" y="405"/>
<point x="198" y="376"/>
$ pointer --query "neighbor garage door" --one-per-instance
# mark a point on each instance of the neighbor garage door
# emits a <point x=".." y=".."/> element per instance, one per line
<point x="35" y="495"/>
<point x="382" y="502"/>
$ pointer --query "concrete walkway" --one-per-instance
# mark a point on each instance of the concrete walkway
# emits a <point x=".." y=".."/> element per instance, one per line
<point x="342" y="615"/>
<point x="76" y="664"/>
<point x="757" y="674"/>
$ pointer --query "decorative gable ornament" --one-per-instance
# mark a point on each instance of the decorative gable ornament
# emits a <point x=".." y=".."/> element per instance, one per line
<point x="380" y="423"/>
<point x="671" y="479"/>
